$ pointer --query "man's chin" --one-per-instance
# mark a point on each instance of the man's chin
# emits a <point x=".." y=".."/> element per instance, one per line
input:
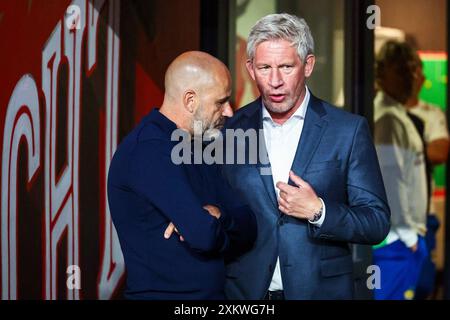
<point x="278" y="108"/>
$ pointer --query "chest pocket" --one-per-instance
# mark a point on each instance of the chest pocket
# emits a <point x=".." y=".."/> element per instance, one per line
<point x="324" y="165"/>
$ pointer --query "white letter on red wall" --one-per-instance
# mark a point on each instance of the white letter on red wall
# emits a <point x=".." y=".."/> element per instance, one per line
<point x="61" y="194"/>
<point x="22" y="122"/>
<point x="112" y="265"/>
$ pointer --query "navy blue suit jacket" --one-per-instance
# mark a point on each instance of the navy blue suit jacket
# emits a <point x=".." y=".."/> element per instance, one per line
<point x="146" y="191"/>
<point x="336" y="156"/>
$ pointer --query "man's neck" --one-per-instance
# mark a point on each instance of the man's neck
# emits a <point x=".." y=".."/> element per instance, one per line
<point x="172" y="116"/>
<point x="281" y="118"/>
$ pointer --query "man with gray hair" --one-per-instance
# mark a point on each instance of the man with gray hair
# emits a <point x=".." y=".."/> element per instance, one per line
<point x="324" y="188"/>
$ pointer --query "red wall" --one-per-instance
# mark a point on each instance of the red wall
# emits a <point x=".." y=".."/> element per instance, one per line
<point x="64" y="121"/>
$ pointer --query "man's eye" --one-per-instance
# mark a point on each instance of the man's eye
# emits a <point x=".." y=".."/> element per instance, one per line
<point x="220" y="104"/>
<point x="287" y="67"/>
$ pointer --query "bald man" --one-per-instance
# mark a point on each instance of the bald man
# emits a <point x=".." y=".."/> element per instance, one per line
<point x="150" y="196"/>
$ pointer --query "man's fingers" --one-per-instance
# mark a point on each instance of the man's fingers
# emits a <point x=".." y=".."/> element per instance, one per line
<point x="283" y="195"/>
<point x="213" y="210"/>
<point x="296" y="179"/>
<point x="176" y="230"/>
<point x="283" y="209"/>
<point x="169" y="230"/>
<point x="282" y="202"/>
<point x="285" y="187"/>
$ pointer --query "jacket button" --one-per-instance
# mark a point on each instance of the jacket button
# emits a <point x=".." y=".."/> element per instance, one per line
<point x="280" y="221"/>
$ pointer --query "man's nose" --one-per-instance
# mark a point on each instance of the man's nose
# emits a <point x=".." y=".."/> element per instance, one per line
<point x="227" y="110"/>
<point x="275" y="78"/>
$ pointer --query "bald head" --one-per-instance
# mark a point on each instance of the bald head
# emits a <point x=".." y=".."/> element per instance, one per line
<point x="193" y="70"/>
<point x="197" y="89"/>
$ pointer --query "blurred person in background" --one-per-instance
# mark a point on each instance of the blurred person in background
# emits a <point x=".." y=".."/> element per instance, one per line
<point x="434" y="133"/>
<point x="401" y="153"/>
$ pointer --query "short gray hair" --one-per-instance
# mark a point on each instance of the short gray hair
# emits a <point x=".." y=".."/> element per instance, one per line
<point x="281" y="26"/>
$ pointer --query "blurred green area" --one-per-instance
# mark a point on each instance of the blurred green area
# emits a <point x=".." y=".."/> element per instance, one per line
<point x="434" y="91"/>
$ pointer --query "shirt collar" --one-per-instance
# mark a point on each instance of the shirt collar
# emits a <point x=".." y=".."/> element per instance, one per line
<point x="161" y="121"/>
<point x="299" y="113"/>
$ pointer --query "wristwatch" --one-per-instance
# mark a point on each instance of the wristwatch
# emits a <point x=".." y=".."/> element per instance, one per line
<point x="318" y="214"/>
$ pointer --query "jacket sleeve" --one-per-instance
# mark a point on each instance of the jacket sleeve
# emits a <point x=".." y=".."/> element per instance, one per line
<point x="241" y="227"/>
<point x="166" y="186"/>
<point x="365" y="217"/>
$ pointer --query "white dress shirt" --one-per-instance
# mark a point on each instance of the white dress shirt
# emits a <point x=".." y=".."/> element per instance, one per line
<point x="281" y="144"/>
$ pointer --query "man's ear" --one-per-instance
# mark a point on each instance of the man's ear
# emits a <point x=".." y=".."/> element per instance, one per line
<point x="249" y="66"/>
<point x="309" y="65"/>
<point x="190" y="100"/>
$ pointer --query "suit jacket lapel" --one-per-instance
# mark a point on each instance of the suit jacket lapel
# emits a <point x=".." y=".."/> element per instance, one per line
<point x="313" y="128"/>
<point x="254" y="117"/>
<point x="265" y="173"/>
